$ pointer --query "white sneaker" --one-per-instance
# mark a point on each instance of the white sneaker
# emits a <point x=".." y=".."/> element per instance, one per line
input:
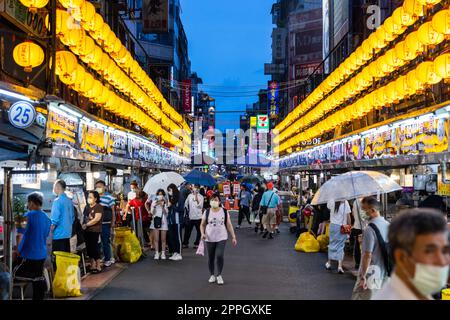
<point x="219" y="280"/>
<point x="173" y="256"/>
<point x="163" y="256"/>
<point x="156" y="256"/>
<point x="177" y="257"/>
<point x="212" y="279"/>
<point x="107" y="264"/>
<point x="112" y="260"/>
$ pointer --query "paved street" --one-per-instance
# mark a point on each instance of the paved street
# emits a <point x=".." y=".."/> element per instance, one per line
<point x="256" y="269"/>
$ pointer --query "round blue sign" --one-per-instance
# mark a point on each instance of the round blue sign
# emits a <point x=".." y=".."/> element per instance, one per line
<point x="22" y="114"/>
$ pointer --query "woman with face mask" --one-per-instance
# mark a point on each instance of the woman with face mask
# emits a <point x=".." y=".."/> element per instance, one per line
<point x="215" y="226"/>
<point x="159" y="225"/>
<point x="92" y="226"/>
<point x="418" y="239"/>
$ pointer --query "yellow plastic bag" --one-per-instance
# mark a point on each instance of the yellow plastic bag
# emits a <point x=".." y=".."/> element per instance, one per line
<point x="324" y="240"/>
<point x="306" y="242"/>
<point x="130" y="249"/>
<point x="119" y="237"/>
<point x="446" y="294"/>
<point x="67" y="280"/>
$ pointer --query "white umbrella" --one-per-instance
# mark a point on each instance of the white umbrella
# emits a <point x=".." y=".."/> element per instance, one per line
<point x="355" y="184"/>
<point x="162" y="181"/>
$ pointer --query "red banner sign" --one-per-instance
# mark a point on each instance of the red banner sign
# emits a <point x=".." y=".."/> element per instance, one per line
<point x="187" y="94"/>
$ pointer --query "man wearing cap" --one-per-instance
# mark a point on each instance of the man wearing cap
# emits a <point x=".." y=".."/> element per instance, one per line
<point x="270" y="200"/>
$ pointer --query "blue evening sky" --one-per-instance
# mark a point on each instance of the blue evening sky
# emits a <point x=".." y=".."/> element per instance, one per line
<point x="229" y="42"/>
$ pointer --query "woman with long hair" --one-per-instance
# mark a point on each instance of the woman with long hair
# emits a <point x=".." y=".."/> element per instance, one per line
<point x="339" y="217"/>
<point x="174" y="223"/>
<point x="159" y="212"/>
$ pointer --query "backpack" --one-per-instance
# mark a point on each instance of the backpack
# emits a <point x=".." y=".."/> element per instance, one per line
<point x="385" y="250"/>
<point x="224" y="211"/>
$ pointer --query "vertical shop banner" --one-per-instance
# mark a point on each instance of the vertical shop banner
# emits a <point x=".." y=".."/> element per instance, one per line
<point x="236" y="188"/>
<point x="263" y="125"/>
<point x="187" y="94"/>
<point x="273" y="98"/>
<point x="155" y="16"/>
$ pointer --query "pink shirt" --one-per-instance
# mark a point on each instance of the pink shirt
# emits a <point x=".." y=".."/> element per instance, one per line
<point x="216" y="229"/>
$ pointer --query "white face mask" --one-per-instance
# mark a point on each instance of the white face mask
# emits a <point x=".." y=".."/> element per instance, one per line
<point x="214" y="204"/>
<point x="430" y="279"/>
<point x="160" y="197"/>
<point x="100" y="190"/>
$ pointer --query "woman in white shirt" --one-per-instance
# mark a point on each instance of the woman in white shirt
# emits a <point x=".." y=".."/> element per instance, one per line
<point x="339" y="215"/>
<point x="159" y="211"/>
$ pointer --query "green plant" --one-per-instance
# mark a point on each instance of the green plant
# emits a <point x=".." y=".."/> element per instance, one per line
<point x="19" y="207"/>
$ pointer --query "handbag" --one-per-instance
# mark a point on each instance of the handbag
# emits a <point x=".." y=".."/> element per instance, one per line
<point x="345" y="228"/>
<point x="157" y="222"/>
<point x="264" y="208"/>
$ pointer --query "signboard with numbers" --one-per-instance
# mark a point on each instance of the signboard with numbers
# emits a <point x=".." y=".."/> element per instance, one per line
<point x="22" y="114"/>
<point x="262" y="123"/>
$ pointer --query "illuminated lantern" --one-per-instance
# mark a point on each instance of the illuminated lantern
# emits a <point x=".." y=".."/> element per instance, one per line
<point x="442" y="66"/>
<point x="425" y="73"/>
<point x="429" y="2"/>
<point x="71" y="3"/>
<point x="110" y="42"/>
<point x="87" y="11"/>
<point x="391" y="92"/>
<point x="403" y="18"/>
<point x="374" y="71"/>
<point x="441" y="22"/>
<point x="367" y="48"/>
<point x="389" y="29"/>
<point x="413" y="7"/>
<point x="84" y="46"/>
<point x="392" y="59"/>
<point x="33" y="5"/>
<point x="94" y="58"/>
<point x="413" y="83"/>
<point x="384" y="65"/>
<point x="73" y="37"/>
<point x="428" y="36"/>
<point x="413" y="45"/>
<point x="103" y="97"/>
<point x="401" y="86"/>
<point x="116" y="47"/>
<point x="376" y="43"/>
<point x="85" y="83"/>
<point x="95" y="24"/>
<point x="105" y="63"/>
<point x="104" y="32"/>
<point x="66" y="64"/>
<point x="28" y="55"/>
<point x="95" y="91"/>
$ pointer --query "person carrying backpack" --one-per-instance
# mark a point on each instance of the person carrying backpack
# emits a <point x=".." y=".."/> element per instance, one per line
<point x="375" y="264"/>
<point x="215" y="225"/>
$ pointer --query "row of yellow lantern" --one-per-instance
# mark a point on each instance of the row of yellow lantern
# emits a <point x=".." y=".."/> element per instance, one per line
<point x="73" y="74"/>
<point x="83" y="12"/>
<point x="396" y="57"/>
<point x="402" y="17"/>
<point x="426" y="73"/>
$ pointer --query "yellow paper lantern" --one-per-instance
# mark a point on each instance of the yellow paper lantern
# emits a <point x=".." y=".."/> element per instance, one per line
<point x="110" y="42"/>
<point x="87" y="11"/>
<point x="383" y="64"/>
<point x="73" y="37"/>
<point x="413" y="7"/>
<point x="375" y="42"/>
<point x="84" y="83"/>
<point x="33" y="5"/>
<point x="401" y="86"/>
<point x="65" y="67"/>
<point x="441" y="22"/>
<point x="413" y="83"/>
<point x="442" y="66"/>
<point x="429" y="2"/>
<point x="71" y="3"/>
<point x="104" y="32"/>
<point x="28" y="55"/>
<point x="413" y="45"/>
<point x="95" y="91"/>
<point x="84" y="46"/>
<point x="94" y="58"/>
<point x="428" y="36"/>
<point x="95" y="24"/>
<point x="425" y="73"/>
<point x="401" y="17"/>
<point x="62" y="18"/>
<point x="390" y="29"/>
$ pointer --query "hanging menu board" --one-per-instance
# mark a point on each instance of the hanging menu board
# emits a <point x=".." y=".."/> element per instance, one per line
<point x="380" y="144"/>
<point x="92" y="139"/>
<point x="62" y="129"/>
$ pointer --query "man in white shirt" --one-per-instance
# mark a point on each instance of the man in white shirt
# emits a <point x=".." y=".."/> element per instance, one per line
<point x="194" y="206"/>
<point x="418" y="239"/>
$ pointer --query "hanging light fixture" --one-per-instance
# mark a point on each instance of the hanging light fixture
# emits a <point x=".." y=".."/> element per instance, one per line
<point x="28" y="55"/>
<point x="33" y="5"/>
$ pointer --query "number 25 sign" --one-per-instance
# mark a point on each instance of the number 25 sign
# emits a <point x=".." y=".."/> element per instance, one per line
<point x="22" y="114"/>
